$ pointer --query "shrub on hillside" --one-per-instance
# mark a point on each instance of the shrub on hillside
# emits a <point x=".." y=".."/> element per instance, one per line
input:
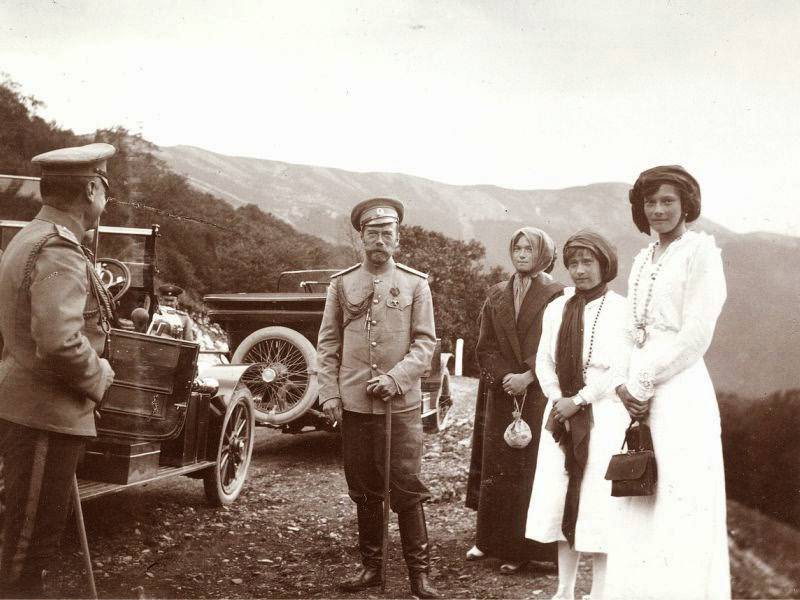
<point x="458" y="284"/>
<point x="761" y="444"/>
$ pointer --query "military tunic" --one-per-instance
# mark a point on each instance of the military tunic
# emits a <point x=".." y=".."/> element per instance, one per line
<point x="375" y="325"/>
<point x="393" y="335"/>
<point x="172" y="323"/>
<point x="51" y="376"/>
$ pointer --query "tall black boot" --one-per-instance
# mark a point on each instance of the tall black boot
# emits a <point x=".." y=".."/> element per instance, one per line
<point x="370" y="538"/>
<point x="416" y="551"/>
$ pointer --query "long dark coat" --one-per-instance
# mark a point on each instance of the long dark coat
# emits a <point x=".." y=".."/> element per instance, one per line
<point x="501" y="477"/>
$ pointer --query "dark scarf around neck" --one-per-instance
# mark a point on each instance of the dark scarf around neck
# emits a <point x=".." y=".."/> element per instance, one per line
<point x="569" y="369"/>
<point x="569" y="347"/>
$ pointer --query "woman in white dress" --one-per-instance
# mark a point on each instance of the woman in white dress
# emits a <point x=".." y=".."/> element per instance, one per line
<point x="581" y="356"/>
<point x="673" y="544"/>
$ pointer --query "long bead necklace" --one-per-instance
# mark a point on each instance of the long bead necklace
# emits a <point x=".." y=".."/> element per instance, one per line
<point x="591" y="338"/>
<point x="640" y="322"/>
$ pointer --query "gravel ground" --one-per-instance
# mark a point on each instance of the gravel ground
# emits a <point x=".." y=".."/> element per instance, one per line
<point x="292" y="532"/>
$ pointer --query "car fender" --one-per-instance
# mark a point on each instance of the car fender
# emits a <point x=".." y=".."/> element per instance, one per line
<point x="228" y="378"/>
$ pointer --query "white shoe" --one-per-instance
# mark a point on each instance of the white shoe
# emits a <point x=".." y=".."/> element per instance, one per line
<point x="474" y="553"/>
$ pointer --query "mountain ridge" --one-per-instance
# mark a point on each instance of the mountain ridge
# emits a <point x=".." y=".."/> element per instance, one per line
<point x="757" y="341"/>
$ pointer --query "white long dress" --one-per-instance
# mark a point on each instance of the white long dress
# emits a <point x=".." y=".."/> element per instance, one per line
<point x="610" y="420"/>
<point x="674" y="544"/>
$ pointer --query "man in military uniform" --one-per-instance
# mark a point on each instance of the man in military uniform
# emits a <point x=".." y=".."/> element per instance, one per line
<point x="54" y="314"/>
<point x="376" y="339"/>
<point x="170" y="321"/>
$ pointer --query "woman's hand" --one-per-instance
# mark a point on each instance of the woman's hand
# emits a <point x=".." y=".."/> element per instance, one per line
<point x="637" y="409"/>
<point x="565" y="408"/>
<point x="515" y="384"/>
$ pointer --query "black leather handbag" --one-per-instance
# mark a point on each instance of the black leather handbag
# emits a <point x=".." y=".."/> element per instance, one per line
<point x="634" y="472"/>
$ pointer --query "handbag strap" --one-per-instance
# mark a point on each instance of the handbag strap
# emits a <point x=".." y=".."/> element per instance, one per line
<point x="644" y="429"/>
<point x="517" y="405"/>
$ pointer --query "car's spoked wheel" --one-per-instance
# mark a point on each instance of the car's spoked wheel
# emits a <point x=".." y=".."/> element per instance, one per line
<point x="224" y="481"/>
<point x="282" y="379"/>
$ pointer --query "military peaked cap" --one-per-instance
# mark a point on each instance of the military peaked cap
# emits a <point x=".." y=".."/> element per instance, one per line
<point x="79" y="161"/>
<point x="376" y="211"/>
<point x="170" y="289"/>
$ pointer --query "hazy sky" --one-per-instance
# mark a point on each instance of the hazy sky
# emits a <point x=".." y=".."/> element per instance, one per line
<point x="525" y="95"/>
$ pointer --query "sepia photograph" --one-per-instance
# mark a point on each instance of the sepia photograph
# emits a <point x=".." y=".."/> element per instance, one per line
<point x="399" y="299"/>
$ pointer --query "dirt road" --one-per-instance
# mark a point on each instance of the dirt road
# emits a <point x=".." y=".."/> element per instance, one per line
<point x="292" y="532"/>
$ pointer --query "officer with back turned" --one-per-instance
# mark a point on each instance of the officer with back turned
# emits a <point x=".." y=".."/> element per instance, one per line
<point x="376" y="339"/>
<point x="54" y="315"/>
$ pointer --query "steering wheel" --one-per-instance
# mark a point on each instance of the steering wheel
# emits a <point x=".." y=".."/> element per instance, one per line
<point x="114" y="275"/>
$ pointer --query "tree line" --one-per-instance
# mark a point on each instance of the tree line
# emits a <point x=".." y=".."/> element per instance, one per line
<point x="241" y="249"/>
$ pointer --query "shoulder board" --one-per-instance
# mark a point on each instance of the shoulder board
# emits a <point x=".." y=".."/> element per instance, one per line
<point x="66" y="234"/>
<point x="408" y="269"/>
<point x="345" y="271"/>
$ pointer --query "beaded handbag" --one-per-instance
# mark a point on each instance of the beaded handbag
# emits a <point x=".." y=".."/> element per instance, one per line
<point x="634" y="473"/>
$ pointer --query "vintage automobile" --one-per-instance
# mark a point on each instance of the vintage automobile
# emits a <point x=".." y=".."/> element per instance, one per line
<point x="277" y="333"/>
<point x="169" y="411"/>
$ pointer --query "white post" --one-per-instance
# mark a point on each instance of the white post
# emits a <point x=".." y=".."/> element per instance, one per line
<point x="459" y="357"/>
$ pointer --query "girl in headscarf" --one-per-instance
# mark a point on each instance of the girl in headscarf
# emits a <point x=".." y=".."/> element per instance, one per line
<point x="580" y="359"/>
<point x="501" y="476"/>
<point x="673" y="544"/>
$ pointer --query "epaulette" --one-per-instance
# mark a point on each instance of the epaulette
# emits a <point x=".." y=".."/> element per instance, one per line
<point x="408" y="269"/>
<point x="345" y="271"/>
<point x="66" y="234"/>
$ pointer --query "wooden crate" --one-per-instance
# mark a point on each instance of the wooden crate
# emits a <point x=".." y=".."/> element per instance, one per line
<point x="119" y="461"/>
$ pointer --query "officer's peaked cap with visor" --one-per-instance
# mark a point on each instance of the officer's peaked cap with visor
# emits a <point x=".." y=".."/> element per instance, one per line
<point x="376" y="211"/>
<point x="78" y="161"/>
<point x="170" y="289"/>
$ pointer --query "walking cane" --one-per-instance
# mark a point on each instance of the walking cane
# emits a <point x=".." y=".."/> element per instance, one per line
<point x="87" y="559"/>
<point x="387" y="464"/>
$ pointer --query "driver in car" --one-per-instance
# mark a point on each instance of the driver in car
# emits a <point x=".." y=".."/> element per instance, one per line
<point x="171" y="321"/>
<point x="54" y="318"/>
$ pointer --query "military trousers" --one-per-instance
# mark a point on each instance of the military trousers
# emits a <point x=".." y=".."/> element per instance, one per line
<point x="363" y="451"/>
<point x="38" y="469"/>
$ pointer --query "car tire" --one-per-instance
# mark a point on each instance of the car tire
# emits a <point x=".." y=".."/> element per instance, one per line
<point x="285" y="386"/>
<point x="223" y="482"/>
